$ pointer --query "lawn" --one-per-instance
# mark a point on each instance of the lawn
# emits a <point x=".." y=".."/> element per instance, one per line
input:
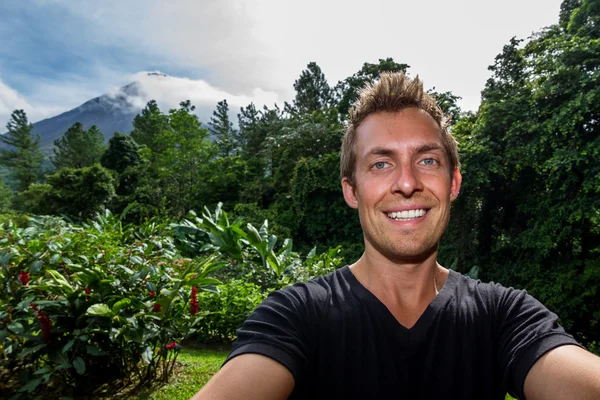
<point x="197" y="367"/>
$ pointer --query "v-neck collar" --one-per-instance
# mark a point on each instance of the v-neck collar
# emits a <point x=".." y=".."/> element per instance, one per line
<point x="418" y="331"/>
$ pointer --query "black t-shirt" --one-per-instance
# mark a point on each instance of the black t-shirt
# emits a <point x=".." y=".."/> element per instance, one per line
<point x="474" y="341"/>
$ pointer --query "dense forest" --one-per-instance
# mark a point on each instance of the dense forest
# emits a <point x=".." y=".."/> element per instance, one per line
<point x="528" y="214"/>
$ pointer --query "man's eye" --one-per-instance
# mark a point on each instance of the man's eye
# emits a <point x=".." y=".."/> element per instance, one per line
<point x="380" y="165"/>
<point x="428" y="161"/>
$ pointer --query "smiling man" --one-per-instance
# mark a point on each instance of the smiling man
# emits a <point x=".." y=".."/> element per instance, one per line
<point x="396" y="324"/>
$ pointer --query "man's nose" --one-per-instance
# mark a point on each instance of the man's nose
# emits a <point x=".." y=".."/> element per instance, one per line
<point x="407" y="181"/>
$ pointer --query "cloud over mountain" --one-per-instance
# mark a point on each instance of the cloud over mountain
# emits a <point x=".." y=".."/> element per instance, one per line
<point x="169" y="91"/>
<point x="114" y="111"/>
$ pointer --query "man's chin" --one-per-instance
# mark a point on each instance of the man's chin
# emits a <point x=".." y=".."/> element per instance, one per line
<point x="408" y="254"/>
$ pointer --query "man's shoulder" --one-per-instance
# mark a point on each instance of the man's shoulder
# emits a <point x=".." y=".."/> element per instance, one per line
<point x="319" y="290"/>
<point x="466" y="286"/>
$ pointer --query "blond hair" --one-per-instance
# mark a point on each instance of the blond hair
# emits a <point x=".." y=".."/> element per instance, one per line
<point x="392" y="93"/>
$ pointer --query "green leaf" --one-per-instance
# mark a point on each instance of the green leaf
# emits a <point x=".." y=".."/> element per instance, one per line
<point x="30" y="350"/>
<point x="120" y="304"/>
<point x="272" y="241"/>
<point x="136" y="260"/>
<point x="94" y="350"/>
<point x="35" y="266"/>
<point x="99" y="310"/>
<point x="31" y="385"/>
<point x="16" y="327"/>
<point x="60" y="359"/>
<point x="60" y="280"/>
<point x="124" y="268"/>
<point x="41" y="371"/>
<point x="147" y="355"/>
<point x="204" y="282"/>
<point x="79" y="365"/>
<point x="68" y="346"/>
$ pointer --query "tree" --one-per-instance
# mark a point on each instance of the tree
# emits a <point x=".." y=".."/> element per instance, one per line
<point x="529" y="214"/>
<point x="312" y="90"/>
<point x="149" y="126"/>
<point x="122" y="152"/>
<point x="79" y="192"/>
<point x="78" y="148"/>
<point x="5" y="197"/>
<point x="247" y="123"/>
<point x="448" y="102"/>
<point x="182" y="165"/>
<point x="25" y="159"/>
<point x="347" y="90"/>
<point x="222" y="129"/>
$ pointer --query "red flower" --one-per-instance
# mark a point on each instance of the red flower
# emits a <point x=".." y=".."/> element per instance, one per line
<point x="45" y="321"/>
<point x="24" y="277"/>
<point x="151" y="294"/>
<point x="156" y="307"/>
<point x="87" y="290"/>
<point x="171" y="345"/>
<point x="194" y="301"/>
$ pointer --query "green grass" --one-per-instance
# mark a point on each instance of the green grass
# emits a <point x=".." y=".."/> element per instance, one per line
<point x="197" y="367"/>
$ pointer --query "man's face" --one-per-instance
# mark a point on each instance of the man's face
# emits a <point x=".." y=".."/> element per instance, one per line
<point x="403" y="184"/>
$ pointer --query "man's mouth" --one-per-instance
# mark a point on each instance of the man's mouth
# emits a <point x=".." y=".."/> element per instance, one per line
<point x="407" y="215"/>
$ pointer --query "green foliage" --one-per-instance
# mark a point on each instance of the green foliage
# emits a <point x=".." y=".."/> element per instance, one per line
<point x="251" y="254"/>
<point x="222" y="130"/>
<point x="246" y="246"/>
<point x="226" y="310"/>
<point x="122" y="152"/>
<point x="79" y="192"/>
<point x="148" y="127"/>
<point x="5" y="197"/>
<point x="86" y="305"/>
<point x="24" y="159"/>
<point x="78" y="148"/>
<point x="347" y="90"/>
<point x="177" y="157"/>
<point x="318" y="208"/>
<point x="13" y="219"/>
<point x="528" y="212"/>
<point x="33" y="200"/>
<point x="312" y="91"/>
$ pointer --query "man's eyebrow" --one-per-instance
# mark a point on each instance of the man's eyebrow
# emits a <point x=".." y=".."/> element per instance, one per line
<point x="429" y="147"/>
<point x="424" y="148"/>
<point x="380" y="151"/>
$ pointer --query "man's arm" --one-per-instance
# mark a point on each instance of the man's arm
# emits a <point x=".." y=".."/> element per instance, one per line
<point x="249" y="376"/>
<point x="566" y="372"/>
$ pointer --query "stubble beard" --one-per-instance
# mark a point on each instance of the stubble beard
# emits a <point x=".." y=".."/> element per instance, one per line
<point x="406" y="246"/>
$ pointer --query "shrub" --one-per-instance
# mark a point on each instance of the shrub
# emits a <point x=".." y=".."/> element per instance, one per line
<point x="85" y="305"/>
<point x="226" y="310"/>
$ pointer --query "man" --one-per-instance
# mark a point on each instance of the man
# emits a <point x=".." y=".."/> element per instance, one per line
<point x="396" y="324"/>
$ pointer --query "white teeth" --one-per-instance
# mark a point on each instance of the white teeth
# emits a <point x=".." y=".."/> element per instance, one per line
<point x="407" y="214"/>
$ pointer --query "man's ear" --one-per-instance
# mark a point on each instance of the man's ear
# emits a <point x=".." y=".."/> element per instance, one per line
<point x="349" y="193"/>
<point x="455" y="184"/>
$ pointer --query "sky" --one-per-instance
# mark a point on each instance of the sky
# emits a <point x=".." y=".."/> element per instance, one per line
<point x="57" y="54"/>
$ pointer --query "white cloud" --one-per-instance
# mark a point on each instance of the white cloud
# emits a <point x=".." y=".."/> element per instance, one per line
<point x="169" y="91"/>
<point x="11" y="100"/>
<point x="242" y="44"/>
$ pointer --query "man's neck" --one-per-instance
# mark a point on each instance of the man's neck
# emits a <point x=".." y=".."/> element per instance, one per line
<point x="405" y="287"/>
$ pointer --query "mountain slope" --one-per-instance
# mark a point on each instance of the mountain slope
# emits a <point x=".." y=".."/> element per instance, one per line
<point x="109" y="114"/>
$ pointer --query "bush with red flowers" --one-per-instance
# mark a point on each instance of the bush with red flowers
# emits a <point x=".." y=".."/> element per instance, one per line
<point x="85" y="305"/>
